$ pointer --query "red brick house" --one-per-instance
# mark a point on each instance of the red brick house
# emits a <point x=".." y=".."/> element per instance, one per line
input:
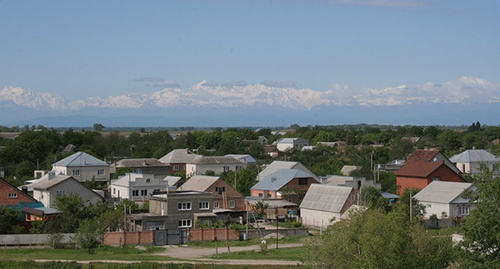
<point x="287" y="184"/>
<point x="418" y="174"/>
<point x="224" y="195"/>
<point x="431" y="156"/>
<point x="12" y="196"/>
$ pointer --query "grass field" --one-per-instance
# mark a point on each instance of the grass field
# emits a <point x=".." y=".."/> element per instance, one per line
<point x="127" y="253"/>
<point x="146" y="265"/>
<point x="289" y="254"/>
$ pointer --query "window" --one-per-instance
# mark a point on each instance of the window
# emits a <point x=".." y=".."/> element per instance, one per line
<point x="216" y="204"/>
<point x="76" y="172"/>
<point x="114" y="190"/>
<point x="232" y="204"/>
<point x="135" y="193"/>
<point x="290" y="199"/>
<point x="156" y="190"/>
<point x="353" y="197"/>
<point x="220" y="190"/>
<point x="184" y="223"/>
<point x="204" y="205"/>
<point x="144" y="192"/>
<point x="464" y="210"/>
<point x="12" y="195"/>
<point x="100" y="172"/>
<point x="302" y="181"/>
<point x="226" y="168"/>
<point x="60" y="192"/>
<point x="260" y="194"/>
<point x="184" y="206"/>
<point x="148" y="180"/>
<point x="436" y="179"/>
<point x="175" y="168"/>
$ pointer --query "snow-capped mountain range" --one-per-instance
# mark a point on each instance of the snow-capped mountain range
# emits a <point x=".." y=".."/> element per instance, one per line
<point x="206" y="99"/>
<point x="466" y="90"/>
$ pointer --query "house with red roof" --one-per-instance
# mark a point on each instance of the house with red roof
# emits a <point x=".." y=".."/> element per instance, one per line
<point x="419" y="174"/>
<point x="431" y="156"/>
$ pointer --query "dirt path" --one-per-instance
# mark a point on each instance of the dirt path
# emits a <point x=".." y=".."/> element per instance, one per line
<point x="185" y="252"/>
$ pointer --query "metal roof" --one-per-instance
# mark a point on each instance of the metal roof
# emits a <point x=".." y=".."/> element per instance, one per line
<point x="141" y="162"/>
<point x="280" y="178"/>
<point x="246" y="158"/>
<point x="216" y="160"/>
<point x="49" y="182"/>
<point x="80" y="159"/>
<point x="179" y="156"/>
<point x="198" y="183"/>
<point x="442" y="191"/>
<point x="474" y="155"/>
<point x="278" y="165"/>
<point x="326" y="198"/>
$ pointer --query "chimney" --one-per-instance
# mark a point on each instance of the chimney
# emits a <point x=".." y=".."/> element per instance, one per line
<point x="51" y="175"/>
<point x="24" y="189"/>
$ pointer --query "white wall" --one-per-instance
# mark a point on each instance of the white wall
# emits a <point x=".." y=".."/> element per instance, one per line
<point x="317" y="219"/>
<point x="436" y="208"/>
<point x="69" y="186"/>
<point x="86" y="172"/>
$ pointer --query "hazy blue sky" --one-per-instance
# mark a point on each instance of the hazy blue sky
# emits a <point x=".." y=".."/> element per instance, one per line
<point x="85" y="48"/>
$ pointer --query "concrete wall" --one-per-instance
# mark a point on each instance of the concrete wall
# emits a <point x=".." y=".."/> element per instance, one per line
<point x="127" y="238"/>
<point x="30" y="239"/>
<point x="86" y="172"/>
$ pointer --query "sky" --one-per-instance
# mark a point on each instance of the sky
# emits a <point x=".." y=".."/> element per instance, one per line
<point x="79" y="49"/>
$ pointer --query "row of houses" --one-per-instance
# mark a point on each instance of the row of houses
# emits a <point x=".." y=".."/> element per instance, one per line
<point x="289" y="188"/>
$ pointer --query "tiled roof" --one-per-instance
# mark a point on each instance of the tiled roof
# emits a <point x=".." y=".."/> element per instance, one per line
<point x="422" y="156"/>
<point x="418" y="169"/>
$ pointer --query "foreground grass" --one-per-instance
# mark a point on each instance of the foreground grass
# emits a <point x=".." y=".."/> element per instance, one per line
<point x="251" y="242"/>
<point x="288" y="254"/>
<point x="149" y="265"/>
<point x="127" y="253"/>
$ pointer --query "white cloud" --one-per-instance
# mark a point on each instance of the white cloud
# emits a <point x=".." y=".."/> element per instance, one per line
<point x="465" y="90"/>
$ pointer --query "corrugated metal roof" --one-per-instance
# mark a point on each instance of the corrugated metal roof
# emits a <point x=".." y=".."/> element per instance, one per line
<point x="141" y="162"/>
<point x="216" y="160"/>
<point x="422" y="156"/>
<point x="243" y="157"/>
<point x="47" y="182"/>
<point x="474" y="155"/>
<point x="278" y="165"/>
<point x="441" y="191"/>
<point x="326" y="198"/>
<point x="80" y="159"/>
<point x="198" y="183"/>
<point x="179" y="156"/>
<point x="278" y="179"/>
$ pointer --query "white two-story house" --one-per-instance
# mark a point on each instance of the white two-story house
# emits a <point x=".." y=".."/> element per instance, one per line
<point x="83" y="167"/>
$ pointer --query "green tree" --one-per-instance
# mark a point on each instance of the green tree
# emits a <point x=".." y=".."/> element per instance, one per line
<point x="9" y="218"/>
<point x="482" y="227"/>
<point x="373" y="239"/>
<point x="98" y="127"/>
<point x="88" y="235"/>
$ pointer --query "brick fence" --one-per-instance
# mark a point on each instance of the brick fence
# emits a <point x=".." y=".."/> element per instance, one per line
<point x="210" y="234"/>
<point x="126" y="238"/>
<point x="254" y="233"/>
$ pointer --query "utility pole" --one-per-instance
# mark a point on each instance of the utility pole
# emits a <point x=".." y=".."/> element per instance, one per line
<point x="411" y="207"/>
<point x="276" y="215"/>
<point x="248" y="207"/>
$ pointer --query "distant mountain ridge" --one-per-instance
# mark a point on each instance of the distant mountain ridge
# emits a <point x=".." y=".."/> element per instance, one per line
<point x="206" y="104"/>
